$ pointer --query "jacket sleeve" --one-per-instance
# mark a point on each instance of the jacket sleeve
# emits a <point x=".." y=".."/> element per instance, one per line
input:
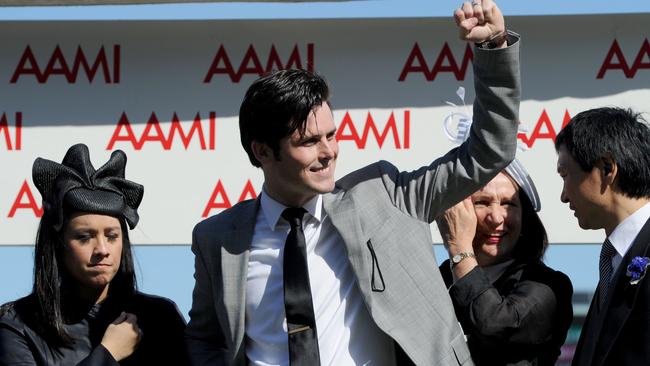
<point x="164" y="333"/>
<point x="14" y="349"/>
<point x="526" y="314"/>
<point x="428" y="191"/>
<point x="173" y="339"/>
<point x="99" y="357"/>
<point x="203" y="337"/>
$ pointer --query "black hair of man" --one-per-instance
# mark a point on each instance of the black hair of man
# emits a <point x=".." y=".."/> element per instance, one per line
<point x="278" y="104"/>
<point x="615" y="133"/>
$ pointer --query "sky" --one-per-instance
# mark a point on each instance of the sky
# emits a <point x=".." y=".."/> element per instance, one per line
<point x="314" y="10"/>
<point x="167" y="270"/>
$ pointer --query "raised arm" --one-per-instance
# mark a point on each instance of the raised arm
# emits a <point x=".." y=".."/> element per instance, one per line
<point x="428" y="191"/>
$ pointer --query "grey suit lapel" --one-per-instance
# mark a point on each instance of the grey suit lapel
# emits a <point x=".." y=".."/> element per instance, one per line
<point x="345" y="218"/>
<point x="235" y="250"/>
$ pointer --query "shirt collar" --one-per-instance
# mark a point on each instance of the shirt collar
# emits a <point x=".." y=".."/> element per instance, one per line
<point x="625" y="233"/>
<point x="272" y="209"/>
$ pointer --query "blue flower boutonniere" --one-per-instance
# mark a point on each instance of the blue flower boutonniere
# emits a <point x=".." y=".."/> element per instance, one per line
<point x="637" y="268"/>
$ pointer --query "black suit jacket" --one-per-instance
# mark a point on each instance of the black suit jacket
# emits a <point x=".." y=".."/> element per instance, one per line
<point x="619" y="333"/>
<point x="523" y="316"/>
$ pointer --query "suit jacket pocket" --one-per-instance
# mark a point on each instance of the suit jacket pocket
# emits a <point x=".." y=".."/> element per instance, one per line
<point x="377" y="283"/>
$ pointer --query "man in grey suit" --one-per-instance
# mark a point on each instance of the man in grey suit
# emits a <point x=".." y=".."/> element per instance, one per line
<point x="370" y="281"/>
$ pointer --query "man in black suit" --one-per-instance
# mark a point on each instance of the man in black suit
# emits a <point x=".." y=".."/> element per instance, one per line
<point x="604" y="161"/>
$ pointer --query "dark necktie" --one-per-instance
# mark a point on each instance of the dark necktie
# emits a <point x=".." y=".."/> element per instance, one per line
<point x="301" y="324"/>
<point x="606" y="269"/>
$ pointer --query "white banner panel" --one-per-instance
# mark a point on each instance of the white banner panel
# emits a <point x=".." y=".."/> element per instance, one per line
<point x="168" y="94"/>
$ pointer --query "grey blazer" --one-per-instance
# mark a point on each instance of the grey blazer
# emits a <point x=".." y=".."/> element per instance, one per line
<point x="383" y="216"/>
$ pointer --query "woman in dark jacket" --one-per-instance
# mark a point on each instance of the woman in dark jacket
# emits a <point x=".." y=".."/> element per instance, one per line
<point x="512" y="307"/>
<point x="84" y="308"/>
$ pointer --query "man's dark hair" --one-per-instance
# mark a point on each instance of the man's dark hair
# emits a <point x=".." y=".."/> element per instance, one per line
<point x="615" y="133"/>
<point x="278" y="104"/>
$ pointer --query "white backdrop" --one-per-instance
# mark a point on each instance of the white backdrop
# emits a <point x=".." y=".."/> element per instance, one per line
<point x="168" y="93"/>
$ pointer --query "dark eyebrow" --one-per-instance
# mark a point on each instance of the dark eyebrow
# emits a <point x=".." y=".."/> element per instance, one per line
<point x="304" y="138"/>
<point x="307" y="136"/>
<point x="83" y="230"/>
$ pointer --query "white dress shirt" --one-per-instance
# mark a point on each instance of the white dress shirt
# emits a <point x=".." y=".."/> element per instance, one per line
<point x="625" y="233"/>
<point x="347" y="335"/>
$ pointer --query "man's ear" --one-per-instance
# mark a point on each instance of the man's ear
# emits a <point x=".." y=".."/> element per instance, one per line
<point x="609" y="170"/>
<point x="261" y="151"/>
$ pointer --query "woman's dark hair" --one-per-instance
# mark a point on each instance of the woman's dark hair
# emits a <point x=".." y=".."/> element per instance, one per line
<point x="533" y="240"/>
<point x="51" y="280"/>
<point x="74" y="185"/>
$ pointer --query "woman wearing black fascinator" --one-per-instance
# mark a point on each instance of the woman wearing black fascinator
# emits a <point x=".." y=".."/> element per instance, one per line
<point x="84" y="308"/>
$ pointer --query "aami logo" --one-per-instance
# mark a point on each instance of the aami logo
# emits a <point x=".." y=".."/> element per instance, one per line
<point x="199" y="131"/>
<point x="445" y="62"/>
<point x="615" y="60"/>
<point x="251" y="64"/>
<point x="12" y="136"/>
<point x="348" y="131"/>
<point x="107" y="66"/>
<point x="25" y="200"/>
<point x="543" y="129"/>
<point x="219" y="199"/>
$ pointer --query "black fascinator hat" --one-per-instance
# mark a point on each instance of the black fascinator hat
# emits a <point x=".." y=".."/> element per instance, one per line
<point x="75" y="185"/>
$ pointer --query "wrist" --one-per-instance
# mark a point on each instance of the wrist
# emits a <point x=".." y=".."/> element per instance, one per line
<point x="457" y="258"/>
<point x="109" y="348"/>
<point x="499" y="40"/>
<point x="459" y="246"/>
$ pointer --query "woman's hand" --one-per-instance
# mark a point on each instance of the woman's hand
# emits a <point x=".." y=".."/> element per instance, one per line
<point x="122" y="336"/>
<point x="457" y="227"/>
